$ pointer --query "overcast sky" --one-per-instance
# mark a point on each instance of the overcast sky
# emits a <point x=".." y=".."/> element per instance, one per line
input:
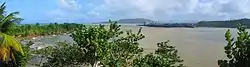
<point x="100" y="10"/>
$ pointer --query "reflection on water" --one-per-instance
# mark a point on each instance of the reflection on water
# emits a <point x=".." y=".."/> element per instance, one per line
<point x="199" y="47"/>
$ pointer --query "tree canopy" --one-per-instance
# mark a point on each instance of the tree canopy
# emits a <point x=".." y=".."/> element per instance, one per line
<point x="237" y="49"/>
<point x="10" y="48"/>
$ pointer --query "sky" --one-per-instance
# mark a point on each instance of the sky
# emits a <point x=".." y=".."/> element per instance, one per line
<point x="84" y="11"/>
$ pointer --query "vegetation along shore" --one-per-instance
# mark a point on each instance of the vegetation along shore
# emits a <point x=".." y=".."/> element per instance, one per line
<point x="105" y="45"/>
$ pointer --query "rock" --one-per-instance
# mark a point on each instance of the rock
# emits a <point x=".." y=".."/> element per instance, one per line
<point x="34" y="38"/>
<point x="24" y="42"/>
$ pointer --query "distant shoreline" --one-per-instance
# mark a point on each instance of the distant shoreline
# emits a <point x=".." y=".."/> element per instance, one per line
<point x="158" y="26"/>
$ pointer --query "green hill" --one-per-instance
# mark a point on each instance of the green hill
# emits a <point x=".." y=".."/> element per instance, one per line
<point x="224" y="24"/>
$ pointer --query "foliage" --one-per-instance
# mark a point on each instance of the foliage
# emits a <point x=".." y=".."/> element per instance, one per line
<point x="27" y="55"/>
<point x="238" y="52"/>
<point x="7" y="20"/>
<point x="165" y="56"/>
<point x="10" y="49"/>
<point x="224" y="23"/>
<point x="106" y="46"/>
<point x="63" y="55"/>
<point x="40" y="30"/>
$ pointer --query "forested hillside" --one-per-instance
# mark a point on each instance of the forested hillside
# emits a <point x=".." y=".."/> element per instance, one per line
<point x="224" y="24"/>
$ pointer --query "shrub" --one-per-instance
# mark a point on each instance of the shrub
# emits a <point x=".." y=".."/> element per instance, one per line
<point x="107" y="46"/>
<point x="165" y="56"/>
<point x="63" y="55"/>
<point x="238" y="52"/>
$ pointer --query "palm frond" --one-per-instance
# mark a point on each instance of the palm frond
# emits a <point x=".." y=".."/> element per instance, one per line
<point x="17" y="20"/>
<point x="2" y="8"/>
<point x="8" y="20"/>
<point x="3" y="5"/>
<point x="6" y="26"/>
<point x="8" y="45"/>
<point x="9" y="17"/>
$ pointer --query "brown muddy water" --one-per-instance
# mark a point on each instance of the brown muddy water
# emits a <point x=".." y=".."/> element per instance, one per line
<point x="199" y="47"/>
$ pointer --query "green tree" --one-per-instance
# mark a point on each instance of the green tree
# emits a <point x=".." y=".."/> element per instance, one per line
<point x="165" y="56"/>
<point x="62" y="55"/>
<point x="9" y="47"/>
<point x="37" y="24"/>
<point x="238" y="52"/>
<point x="106" y="46"/>
<point x="7" y="20"/>
<point x="27" y="54"/>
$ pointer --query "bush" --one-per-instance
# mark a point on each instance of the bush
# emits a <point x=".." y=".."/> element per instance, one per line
<point x="23" y="59"/>
<point x="108" y="47"/>
<point x="63" y="55"/>
<point x="165" y="56"/>
<point x="238" y="51"/>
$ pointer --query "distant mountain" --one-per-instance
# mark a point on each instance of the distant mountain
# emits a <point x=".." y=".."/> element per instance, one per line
<point x="225" y="23"/>
<point x="132" y="21"/>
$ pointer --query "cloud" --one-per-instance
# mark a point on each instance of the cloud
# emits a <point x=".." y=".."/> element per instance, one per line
<point x="69" y="4"/>
<point x="64" y="15"/>
<point x="68" y="10"/>
<point x="175" y="9"/>
<point x="162" y="10"/>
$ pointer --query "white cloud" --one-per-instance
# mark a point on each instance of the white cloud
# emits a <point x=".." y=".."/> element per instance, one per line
<point x="93" y="13"/>
<point x="68" y="10"/>
<point x="163" y="10"/>
<point x="62" y="15"/>
<point x="69" y="4"/>
<point x="175" y="9"/>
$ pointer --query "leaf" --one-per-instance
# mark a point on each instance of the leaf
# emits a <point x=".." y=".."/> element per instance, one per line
<point x="8" y="45"/>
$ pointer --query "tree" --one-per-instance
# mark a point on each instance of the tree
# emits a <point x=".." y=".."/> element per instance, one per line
<point x="238" y="51"/>
<point x="37" y="24"/>
<point x="9" y="47"/>
<point x="27" y="55"/>
<point x="165" y="56"/>
<point x="7" y="20"/>
<point x="62" y="55"/>
<point x="107" y="46"/>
